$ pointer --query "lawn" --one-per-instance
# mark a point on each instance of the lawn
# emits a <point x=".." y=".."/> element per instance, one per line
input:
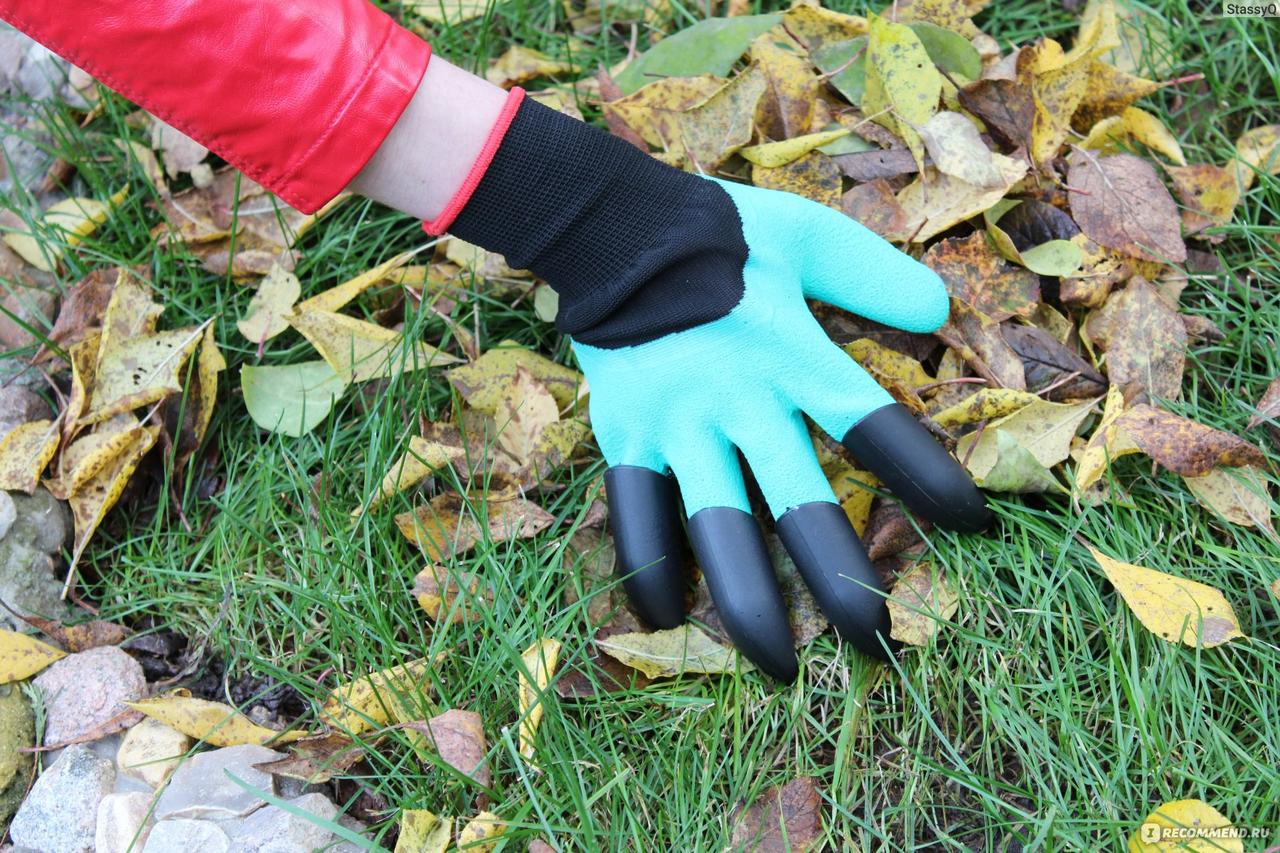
<point x="1041" y="716"/>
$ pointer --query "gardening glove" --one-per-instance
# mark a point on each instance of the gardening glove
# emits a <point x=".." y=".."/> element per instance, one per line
<point x="685" y="298"/>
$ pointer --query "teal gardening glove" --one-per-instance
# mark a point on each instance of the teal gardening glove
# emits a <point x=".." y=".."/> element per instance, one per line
<point x="685" y="297"/>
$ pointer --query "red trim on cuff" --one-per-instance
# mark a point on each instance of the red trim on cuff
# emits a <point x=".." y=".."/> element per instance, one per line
<point x="439" y="225"/>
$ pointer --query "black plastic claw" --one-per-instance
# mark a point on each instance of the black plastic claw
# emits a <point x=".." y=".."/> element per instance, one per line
<point x="645" y="521"/>
<point x="731" y="552"/>
<point x="912" y="465"/>
<point x="832" y="562"/>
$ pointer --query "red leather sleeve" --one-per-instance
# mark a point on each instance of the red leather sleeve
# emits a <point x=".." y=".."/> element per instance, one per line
<point x="298" y="94"/>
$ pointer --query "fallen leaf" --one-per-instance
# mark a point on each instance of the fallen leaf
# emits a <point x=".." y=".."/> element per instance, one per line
<point x="1186" y="825"/>
<point x="935" y="202"/>
<point x="1016" y="469"/>
<point x="359" y="351"/>
<point x="458" y="737"/>
<point x="674" y="651"/>
<point x="1144" y="339"/>
<point x="956" y="149"/>
<point x="1239" y="495"/>
<point x="180" y="153"/>
<point x="1257" y="151"/>
<point x="81" y="637"/>
<point x="1107" y="443"/>
<point x="903" y="86"/>
<point x="64" y="225"/>
<point x="1210" y="194"/>
<point x="1042" y="428"/>
<point x="1058" y="83"/>
<point x="133" y="372"/>
<point x="711" y="46"/>
<point x="316" y="759"/>
<point x="537" y="666"/>
<point x="921" y="599"/>
<point x="1121" y="204"/>
<point x="22" y="656"/>
<point x="81" y="310"/>
<point x="786" y="111"/>
<point x="979" y="340"/>
<point x="371" y="701"/>
<point x="339" y="295"/>
<point x="977" y="276"/>
<point x="523" y="414"/>
<point x="25" y="451"/>
<point x="983" y="405"/>
<point x="483" y="382"/>
<point x="873" y="165"/>
<point x="715" y="129"/>
<point x="653" y="111"/>
<point x="449" y="525"/>
<point x="874" y="205"/>
<point x="519" y="65"/>
<point x="211" y="722"/>
<point x="1184" y="446"/>
<point x="481" y="834"/>
<point x="272" y="302"/>
<point x="774" y="154"/>
<point x="444" y="592"/>
<point x="422" y="831"/>
<point x="290" y="399"/>
<point x="813" y="176"/>
<point x="816" y="27"/>
<point x="1048" y="363"/>
<point x="1268" y="407"/>
<point x="1172" y="608"/>
<point x="1109" y="91"/>
<point x="99" y="493"/>
<point x="784" y="818"/>
<point x="1006" y="107"/>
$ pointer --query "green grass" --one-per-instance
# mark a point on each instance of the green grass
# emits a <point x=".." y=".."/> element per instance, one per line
<point x="1044" y="713"/>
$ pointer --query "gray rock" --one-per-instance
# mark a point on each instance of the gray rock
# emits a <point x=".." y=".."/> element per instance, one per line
<point x="20" y="405"/>
<point x="85" y="690"/>
<point x="288" y="788"/>
<point x="275" y="830"/>
<point x="200" y="788"/>
<point x="8" y="512"/>
<point x="24" y="308"/>
<point x="182" y="835"/>
<point x="27" y="580"/>
<point x="124" y="821"/>
<point x="60" y="815"/>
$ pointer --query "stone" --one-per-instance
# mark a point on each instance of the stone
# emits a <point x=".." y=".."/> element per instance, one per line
<point x="8" y="513"/>
<point x="17" y="732"/>
<point x="184" y="835"/>
<point x="199" y="788"/>
<point x="27" y="552"/>
<point x="21" y="405"/>
<point x="85" y="690"/>
<point x="60" y="814"/>
<point x="22" y="309"/>
<point x="124" y="821"/>
<point x="151" y="751"/>
<point x="275" y="830"/>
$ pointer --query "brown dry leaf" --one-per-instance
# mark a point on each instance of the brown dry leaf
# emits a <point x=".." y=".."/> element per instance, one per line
<point x="653" y="111"/>
<point x="1050" y="364"/>
<point x="1257" y="150"/>
<point x="373" y="700"/>
<point x="81" y="310"/>
<point x="1121" y="204"/>
<point x="458" y="737"/>
<point x="90" y="503"/>
<point x="358" y="350"/>
<point x="316" y="759"/>
<point x="1268" y="407"/>
<point x="787" y="108"/>
<point x="483" y="382"/>
<point x="979" y="341"/>
<point x="136" y="371"/>
<point x="1209" y="192"/>
<point x="441" y="591"/>
<point x="1144" y="339"/>
<point x="935" y="202"/>
<point x="521" y="64"/>
<point x="523" y="414"/>
<point x="957" y="150"/>
<point x="1006" y="107"/>
<point x="22" y="656"/>
<point x="271" y="305"/>
<point x="714" y="130"/>
<point x="1174" y="609"/>
<point x="1239" y="495"/>
<point x="977" y="276"/>
<point x="891" y="530"/>
<point x="1184" y="446"/>
<point x="784" y="818"/>
<point x="1042" y="428"/>
<point x="481" y="834"/>
<point x="537" y="666"/>
<point x="180" y="153"/>
<point x="814" y="176"/>
<point x="25" y="452"/>
<point x="874" y="205"/>
<point x="212" y="722"/>
<point x="448" y="527"/>
<point x="82" y="637"/>
<point x="873" y="165"/>
<point x="921" y="600"/>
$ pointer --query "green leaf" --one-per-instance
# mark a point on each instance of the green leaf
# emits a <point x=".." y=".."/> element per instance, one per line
<point x="849" y="58"/>
<point x="292" y="399"/>
<point x="674" y="651"/>
<point x="708" y="47"/>
<point x="1057" y="257"/>
<point x="949" y="50"/>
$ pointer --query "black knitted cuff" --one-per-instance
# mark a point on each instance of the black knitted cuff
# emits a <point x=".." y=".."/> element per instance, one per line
<point x="635" y="248"/>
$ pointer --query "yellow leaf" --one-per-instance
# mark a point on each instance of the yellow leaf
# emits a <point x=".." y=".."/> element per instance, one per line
<point x="1186" y="825"/>
<point x="1043" y="428"/>
<point x="538" y="664"/>
<point x="267" y="314"/>
<point x="358" y="351"/>
<point x="22" y="656"/>
<point x="1153" y="133"/>
<point x="715" y="129"/>
<point x="76" y="218"/>
<point x="449" y="525"/>
<point x="209" y="363"/>
<point x="483" y="382"/>
<point x="137" y="371"/>
<point x="423" y="458"/>
<point x="1210" y="194"/>
<point x="1237" y="494"/>
<point x="985" y="404"/>
<point x="212" y="722"/>
<point x="147" y="161"/>
<point x="1107" y="443"/>
<point x="814" y="176"/>
<point x="131" y="312"/>
<point x="522" y="64"/>
<point x="786" y="111"/>
<point x="921" y="599"/>
<point x="653" y="111"/>
<point x="339" y="295"/>
<point x="1259" y="149"/>
<point x="371" y="701"/>
<point x="524" y="412"/>
<point x="99" y="493"/>
<point x="481" y="833"/>
<point x="884" y="361"/>
<point x="84" y="362"/>
<point x="440" y="591"/>
<point x="935" y="201"/>
<point x="1172" y="608"/>
<point x="1058" y="84"/>
<point x="87" y="455"/>
<point x="774" y="154"/>
<point x="423" y="832"/>
<point x="25" y="452"/>
<point x="674" y="651"/>
<point x="816" y="27"/>
<point x="903" y="85"/>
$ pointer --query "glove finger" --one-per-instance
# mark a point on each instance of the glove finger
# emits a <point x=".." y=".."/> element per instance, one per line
<point x="832" y="561"/>
<point x="852" y="267"/>
<point x="911" y="464"/>
<point x="780" y="454"/>
<point x="645" y="521"/>
<point x="731" y="552"/>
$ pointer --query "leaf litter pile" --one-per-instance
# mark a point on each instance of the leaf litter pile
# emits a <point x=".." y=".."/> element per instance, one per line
<point x="1063" y="217"/>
